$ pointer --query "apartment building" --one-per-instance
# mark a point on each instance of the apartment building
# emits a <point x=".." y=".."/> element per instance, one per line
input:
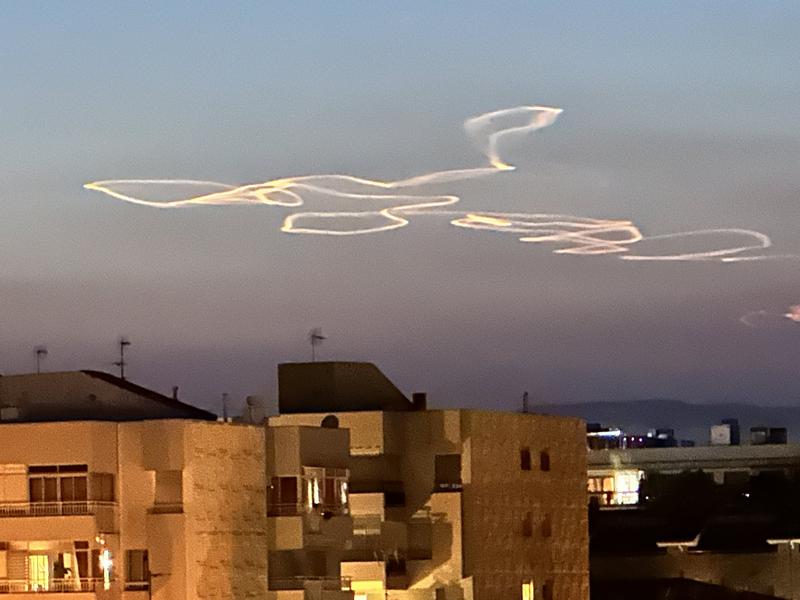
<point x="109" y="490"/>
<point x="308" y="510"/>
<point x="448" y="504"/>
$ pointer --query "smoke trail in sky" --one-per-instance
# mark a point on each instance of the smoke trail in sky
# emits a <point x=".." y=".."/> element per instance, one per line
<point x="386" y="205"/>
<point x="757" y="318"/>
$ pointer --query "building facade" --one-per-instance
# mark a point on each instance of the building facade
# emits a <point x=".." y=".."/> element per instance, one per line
<point x="450" y="504"/>
<point x="116" y="492"/>
<point x="169" y="509"/>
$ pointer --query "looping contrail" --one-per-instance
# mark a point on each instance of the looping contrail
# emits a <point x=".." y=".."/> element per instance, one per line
<point x="400" y="199"/>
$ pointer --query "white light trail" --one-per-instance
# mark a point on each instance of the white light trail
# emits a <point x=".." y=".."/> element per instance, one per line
<point x="401" y="199"/>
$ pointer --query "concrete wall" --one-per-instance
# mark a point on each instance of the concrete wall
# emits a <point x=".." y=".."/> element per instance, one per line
<point x="209" y="543"/>
<point x="225" y="499"/>
<point x="501" y="497"/>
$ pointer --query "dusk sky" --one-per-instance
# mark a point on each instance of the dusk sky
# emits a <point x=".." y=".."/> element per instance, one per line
<point x="678" y="116"/>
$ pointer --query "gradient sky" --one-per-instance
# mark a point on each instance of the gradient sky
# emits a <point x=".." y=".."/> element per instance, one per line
<point x="680" y="116"/>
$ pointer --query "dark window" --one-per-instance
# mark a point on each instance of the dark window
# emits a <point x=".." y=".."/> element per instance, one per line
<point x="329" y="495"/>
<point x="527" y="525"/>
<point x="525" y="459"/>
<point x="136" y="567"/>
<point x="547" y="590"/>
<point x="101" y="487"/>
<point x="544" y="460"/>
<point x="394" y="499"/>
<point x="283" y="498"/>
<point x="73" y="489"/>
<point x="448" y="471"/>
<point x="547" y="527"/>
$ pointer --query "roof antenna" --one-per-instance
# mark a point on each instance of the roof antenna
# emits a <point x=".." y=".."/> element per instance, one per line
<point x="123" y="342"/>
<point x="525" y="402"/>
<point x="40" y="352"/>
<point x="315" y="337"/>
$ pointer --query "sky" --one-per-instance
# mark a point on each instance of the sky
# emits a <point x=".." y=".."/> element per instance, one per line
<point x="678" y="116"/>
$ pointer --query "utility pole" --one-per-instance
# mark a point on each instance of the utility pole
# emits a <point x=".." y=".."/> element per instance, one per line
<point x="123" y="343"/>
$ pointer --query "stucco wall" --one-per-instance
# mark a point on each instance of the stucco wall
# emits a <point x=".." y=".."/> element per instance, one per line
<point x="225" y="505"/>
<point x="496" y="502"/>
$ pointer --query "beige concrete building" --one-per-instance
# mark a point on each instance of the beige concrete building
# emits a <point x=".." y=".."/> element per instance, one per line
<point x="449" y="504"/>
<point x="170" y="509"/>
<point x="142" y="499"/>
<point x="99" y="500"/>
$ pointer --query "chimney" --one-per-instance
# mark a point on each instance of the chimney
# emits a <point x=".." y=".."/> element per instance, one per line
<point x="174" y="392"/>
<point x="419" y="401"/>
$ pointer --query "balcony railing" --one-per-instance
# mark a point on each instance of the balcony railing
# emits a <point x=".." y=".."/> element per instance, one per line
<point x="294" y="510"/>
<point x="300" y="582"/>
<point x="21" y="586"/>
<point x="54" y="509"/>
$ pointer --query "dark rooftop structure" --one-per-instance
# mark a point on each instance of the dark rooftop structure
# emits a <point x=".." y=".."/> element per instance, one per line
<point x="337" y="387"/>
<point x="86" y="395"/>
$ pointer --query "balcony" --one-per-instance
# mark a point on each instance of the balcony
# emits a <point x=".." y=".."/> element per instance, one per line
<point x="55" y="586"/>
<point x="77" y="520"/>
<point x="55" y="509"/>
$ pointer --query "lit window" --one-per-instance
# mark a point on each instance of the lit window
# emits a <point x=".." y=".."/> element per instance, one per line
<point x="527" y="590"/>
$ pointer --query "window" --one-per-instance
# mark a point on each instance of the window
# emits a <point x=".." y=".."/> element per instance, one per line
<point x="101" y="487"/>
<point x="525" y="459"/>
<point x="87" y="560"/>
<point x="326" y="488"/>
<point x="447" y="471"/>
<point x="547" y="590"/>
<point x="547" y="527"/>
<point x="544" y="460"/>
<point x="169" y="492"/>
<point x="283" y="496"/>
<point x="527" y="590"/>
<point x="59" y="483"/>
<point x="527" y="525"/>
<point x="137" y="571"/>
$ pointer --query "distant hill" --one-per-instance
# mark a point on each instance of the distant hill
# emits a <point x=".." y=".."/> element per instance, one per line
<point x="690" y="421"/>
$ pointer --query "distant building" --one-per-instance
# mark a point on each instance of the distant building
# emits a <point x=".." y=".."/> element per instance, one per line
<point x="448" y="504"/>
<point x="723" y="514"/>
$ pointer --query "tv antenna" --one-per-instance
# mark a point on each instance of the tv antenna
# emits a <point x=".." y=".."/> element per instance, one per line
<point x="40" y="352"/>
<point x="315" y="338"/>
<point x="123" y="343"/>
